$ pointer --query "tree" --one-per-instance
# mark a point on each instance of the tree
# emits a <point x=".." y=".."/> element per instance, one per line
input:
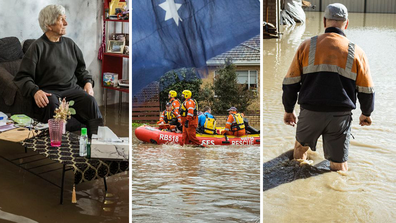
<point x="228" y="92"/>
<point x="180" y="80"/>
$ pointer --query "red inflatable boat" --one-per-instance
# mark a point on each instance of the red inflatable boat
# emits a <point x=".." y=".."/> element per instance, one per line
<point x="155" y="135"/>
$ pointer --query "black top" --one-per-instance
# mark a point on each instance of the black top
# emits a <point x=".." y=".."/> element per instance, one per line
<point x="54" y="66"/>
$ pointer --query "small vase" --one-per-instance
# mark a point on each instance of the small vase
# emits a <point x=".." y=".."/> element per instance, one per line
<point x="55" y="131"/>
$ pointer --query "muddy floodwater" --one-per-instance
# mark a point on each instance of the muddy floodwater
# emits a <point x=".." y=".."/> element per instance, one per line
<point x="366" y="193"/>
<point x="172" y="183"/>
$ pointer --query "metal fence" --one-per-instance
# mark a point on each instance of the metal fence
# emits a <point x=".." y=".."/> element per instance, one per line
<point x="369" y="6"/>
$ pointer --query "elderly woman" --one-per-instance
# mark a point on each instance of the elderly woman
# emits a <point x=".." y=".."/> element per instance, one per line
<point x="53" y="68"/>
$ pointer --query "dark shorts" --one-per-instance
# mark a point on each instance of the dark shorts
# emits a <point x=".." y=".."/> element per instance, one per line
<point x="334" y="127"/>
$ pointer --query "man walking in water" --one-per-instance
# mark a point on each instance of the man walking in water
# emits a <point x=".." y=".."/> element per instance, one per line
<point x="327" y="75"/>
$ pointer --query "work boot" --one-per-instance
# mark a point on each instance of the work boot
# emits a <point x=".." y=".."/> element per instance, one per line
<point x="92" y="126"/>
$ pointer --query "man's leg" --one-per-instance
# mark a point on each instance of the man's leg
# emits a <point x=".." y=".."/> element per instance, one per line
<point x="300" y="152"/>
<point x="339" y="166"/>
<point x="336" y="140"/>
<point x="191" y="131"/>
<point x="84" y="104"/>
<point x="87" y="110"/>
<point x="43" y="114"/>
<point x="185" y="139"/>
<point x="241" y="132"/>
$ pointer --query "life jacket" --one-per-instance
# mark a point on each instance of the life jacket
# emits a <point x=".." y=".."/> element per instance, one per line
<point x="238" y="123"/>
<point x="169" y="115"/>
<point x="183" y="109"/>
<point x="210" y="125"/>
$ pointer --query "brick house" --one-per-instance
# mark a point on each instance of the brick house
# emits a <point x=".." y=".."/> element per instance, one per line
<point x="246" y="58"/>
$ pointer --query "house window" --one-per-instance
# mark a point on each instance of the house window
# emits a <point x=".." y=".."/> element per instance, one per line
<point x="248" y="78"/>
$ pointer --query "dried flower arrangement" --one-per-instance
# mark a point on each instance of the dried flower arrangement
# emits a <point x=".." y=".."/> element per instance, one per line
<point x="64" y="111"/>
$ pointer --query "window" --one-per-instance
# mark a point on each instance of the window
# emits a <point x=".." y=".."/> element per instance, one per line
<point x="248" y="78"/>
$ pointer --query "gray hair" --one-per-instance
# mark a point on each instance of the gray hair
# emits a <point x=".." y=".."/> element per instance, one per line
<point x="49" y="15"/>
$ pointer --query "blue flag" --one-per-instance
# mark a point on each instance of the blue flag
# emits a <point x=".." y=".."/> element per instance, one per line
<point x="170" y="34"/>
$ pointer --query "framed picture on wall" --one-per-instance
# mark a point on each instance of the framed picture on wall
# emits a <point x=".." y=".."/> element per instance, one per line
<point x="115" y="46"/>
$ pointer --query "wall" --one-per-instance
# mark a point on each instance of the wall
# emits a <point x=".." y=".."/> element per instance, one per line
<point x="372" y="6"/>
<point x="85" y="27"/>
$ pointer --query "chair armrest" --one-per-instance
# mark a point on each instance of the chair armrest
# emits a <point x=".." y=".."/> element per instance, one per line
<point x="8" y="88"/>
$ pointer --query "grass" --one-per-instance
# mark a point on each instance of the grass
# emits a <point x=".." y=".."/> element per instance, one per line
<point x="137" y="124"/>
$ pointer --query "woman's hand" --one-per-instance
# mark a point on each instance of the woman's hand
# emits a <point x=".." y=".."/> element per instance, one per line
<point x="88" y="89"/>
<point x="41" y="98"/>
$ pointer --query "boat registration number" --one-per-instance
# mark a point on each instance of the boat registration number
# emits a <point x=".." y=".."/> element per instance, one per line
<point x="169" y="138"/>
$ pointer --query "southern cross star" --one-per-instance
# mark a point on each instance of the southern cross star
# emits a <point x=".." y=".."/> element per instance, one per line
<point x="171" y="10"/>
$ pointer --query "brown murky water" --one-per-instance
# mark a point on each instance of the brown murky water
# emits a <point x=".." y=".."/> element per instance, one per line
<point x="25" y="198"/>
<point x="367" y="192"/>
<point x="172" y="183"/>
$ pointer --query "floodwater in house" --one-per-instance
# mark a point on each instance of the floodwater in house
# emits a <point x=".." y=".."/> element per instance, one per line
<point x="25" y="198"/>
<point x="171" y="183"/>
<point x="366" y="193"/>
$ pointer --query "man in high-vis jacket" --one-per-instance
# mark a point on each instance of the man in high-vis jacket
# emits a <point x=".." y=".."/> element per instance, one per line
<point x="175" y="104"/>
<point x="327" y="75"/>
<point x="188" y="111"/>
<point x="168" y="116"/>
<point x="235" y="124"/>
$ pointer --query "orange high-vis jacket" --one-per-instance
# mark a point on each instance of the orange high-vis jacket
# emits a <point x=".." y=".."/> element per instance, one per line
<point x="230" y="121"/>
<point x="328" y="74"/>
<point x="176" y="105"/>
<point x="192" y="118"/>
<point x="228" y="127"/>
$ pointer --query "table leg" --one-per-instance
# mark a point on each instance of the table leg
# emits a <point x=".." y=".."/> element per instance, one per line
<point x="63" y="181"/>
<point x="105" y="105"/>
<point x="120" y="103"/>
<point x="105" y="184"/>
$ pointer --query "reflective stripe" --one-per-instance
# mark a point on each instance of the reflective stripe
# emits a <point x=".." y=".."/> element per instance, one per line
<point x="330" y="68"/>
<point x="351" y="56"/>
<point x="226" y="129"/>
<point x="190" y="108"/>
<point x="291" y="80"/>
<point x="190" y="114"/>
<point x="312" y="51"/>
<point x="162" y="116"/>
<point x="177" y="116"/>
<point x="367" y="90"/>
<point x="228" y="123"/>
<point x="312" y="68"/>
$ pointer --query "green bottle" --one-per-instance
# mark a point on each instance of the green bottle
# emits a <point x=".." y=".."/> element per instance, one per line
<point x="83" y="142"/>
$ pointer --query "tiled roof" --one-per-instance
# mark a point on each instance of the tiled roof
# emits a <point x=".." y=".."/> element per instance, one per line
<point x="246" y="53"/>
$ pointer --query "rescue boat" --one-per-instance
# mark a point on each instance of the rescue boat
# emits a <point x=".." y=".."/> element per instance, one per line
<point x="159" y="136"/>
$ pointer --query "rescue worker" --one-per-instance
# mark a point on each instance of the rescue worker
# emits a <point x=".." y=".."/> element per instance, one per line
<point x="235" y="124"/>
<point x="206" y="122"/>
<point x="168" y="116"/>
<point x="327" y="75"/>
<point x="175" y="104"/>
<point x="188" y="112"/>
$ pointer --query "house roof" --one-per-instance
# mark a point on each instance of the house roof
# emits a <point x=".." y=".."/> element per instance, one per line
<point x="246" y="53"/>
